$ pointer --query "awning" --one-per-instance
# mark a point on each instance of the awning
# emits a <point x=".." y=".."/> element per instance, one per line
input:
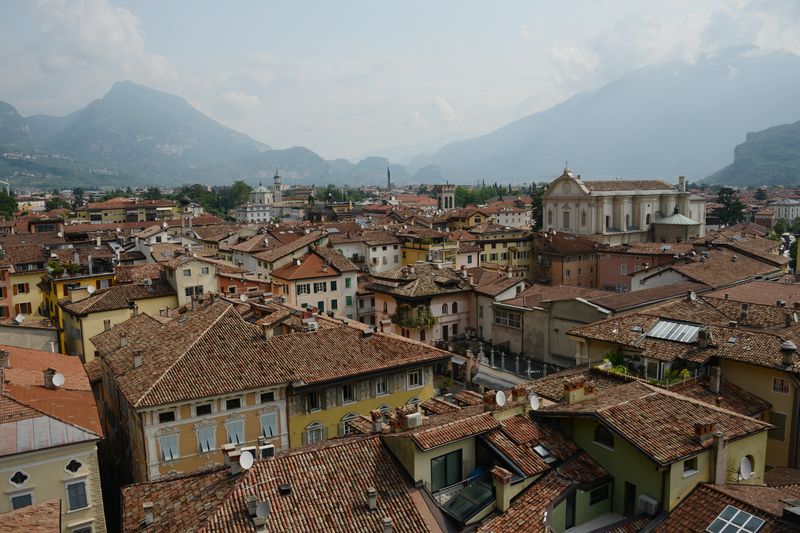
<point x="458" y="360"/>
<point x="492" y="382"/>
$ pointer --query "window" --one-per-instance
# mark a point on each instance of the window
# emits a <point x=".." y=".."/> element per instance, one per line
<point x="569" y="272"/>
<point x="422" y="335"/>
<point x="347" y="429"/>
<point x="235" y="431"/>
<point x="334" y="304"/>
<point x="504" y="318"/>
<point x="82" y="529"/>
<point x="381" y="387"/>
<point x="446" y="470"/>
<point x="267" y="397"/>
<point x="269" y="425"/>
<point x="413" y="401"/>
<point x="385" y="307"/>
<point x="204" y="271"/>
<point x="76" y="495"/>
<point x="608" y="221"/>
<point x="348" y="282"/>
<point x="598" y="495"/>
<point x="566" y="219"/>
<point x="384" y="409"/>
<point x="169" y="447"/>
<point x="73" y="466"/>
<point x="166" y="416"/>
<point x="444" y="309"/>
<point x="314" y="433"/>
<point x="733" y="520"/>
<point x="455" y="307"/>
<point x="469" y="259"/>
<point x="603" y="437"/>
<point x="396" y="258"/>
<point x="334" y="285"/>
<point x="18" y="501"/>
<point x="361" y="303"/>
<point x="23" y="308"/>
<point x="550" y="217"/>
<point x="348" y="300"/>
<point x="303" y="288"/>
<point x="348" y="393"/>
<point x="19" y="478"/>
<point x="779" y="421"/>
<point x="232" y="289"/>
<point x="647" y="219"/>
<point x="202" y="409"/>
<point x="320" y="287"/>
<point x="623" y="268"/>
<point x="22" y="288"/>
<point x="233" y="403"/>
<point x="480" y="311"/>
<point x="187" y="272"/>
<point x="780" y="385"/>
<point x="415" y="379"/>
<point x="313" y="402"/>
<point x="690" y="467"/>
<point x="206" y="438"/>
<point x="383" y="260"/>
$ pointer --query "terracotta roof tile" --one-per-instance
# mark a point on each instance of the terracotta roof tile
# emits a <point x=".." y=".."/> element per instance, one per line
<point x="118" y="297"/>
<point x="42" y="517"/>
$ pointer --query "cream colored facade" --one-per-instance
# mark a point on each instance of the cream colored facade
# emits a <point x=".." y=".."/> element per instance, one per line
<point x="48" y="479"/>
<point x="614" y="216"/>
<point x="193" y="277"/>
<point x="27" y="292"/>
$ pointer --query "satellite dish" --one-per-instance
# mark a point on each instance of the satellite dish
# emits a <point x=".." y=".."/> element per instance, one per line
<point x="501" y="398"/>
<point x="246" y="460"/>
<point x="58" y="380"/>
<point x="60" y="233"/>
<point x="745" y="468"/>
<point x="534" y="399"/>
<point x="19" y="318"/>
<point x="243" y="297"/>
<point x="91" y="289"/>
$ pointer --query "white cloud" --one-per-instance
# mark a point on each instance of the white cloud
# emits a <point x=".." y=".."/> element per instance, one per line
<point x="446" y="111"/>
<point x="93" y="34"/>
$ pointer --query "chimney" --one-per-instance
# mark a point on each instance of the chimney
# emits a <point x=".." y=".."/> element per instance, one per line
<point x="76" y="294"/>
<point x="252" y="504"/>
<point x="107" y="324"/>
<point x="135" y="309"/>
<point x="489" y="400"/>
<point x="4" y="362"/>
<point x="788" y="318"/>
<point x="575" y="389"/>
<point x="788" y="348"/>
<point x="703" y="431"/>
<point x="372" y="498"/>
<point x="48" y="378"/>
<point x="147" y="507"/>
<point x="227" y="448"/>
<point x="715" y="379"/>
<point x="703" y="338"/>
<point x="682" y="183"/>
<point x="233" y="457"/>
<point x="266" y="332"/>
<point x="388" y="526"/>
<point x="98" y="242"/>
<point x="137" y="359"/>
<point x="123" y="340"/>
<point x="89" y="262"/>
<point x="720" y="458"/>
<point x="194" y="303"/>
<point x="733" y="258"/>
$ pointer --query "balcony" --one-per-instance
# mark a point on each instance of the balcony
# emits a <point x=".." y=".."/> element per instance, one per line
<point x="408" y="317"/>
<point x="465" y="499"/>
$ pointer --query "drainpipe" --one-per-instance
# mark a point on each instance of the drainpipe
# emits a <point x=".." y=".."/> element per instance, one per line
<point x="794" y="445"/>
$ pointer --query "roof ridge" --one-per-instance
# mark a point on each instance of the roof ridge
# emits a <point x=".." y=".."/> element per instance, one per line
<point x="701" y="403"/>
<point x="180" y="358"/>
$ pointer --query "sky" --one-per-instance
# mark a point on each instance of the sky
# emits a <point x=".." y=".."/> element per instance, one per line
<point x="347" y="78"/>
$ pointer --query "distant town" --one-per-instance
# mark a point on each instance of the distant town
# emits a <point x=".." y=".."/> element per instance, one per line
<point x="574" y="356"/>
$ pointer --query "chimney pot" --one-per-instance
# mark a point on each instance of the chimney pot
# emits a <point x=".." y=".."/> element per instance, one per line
<point x="107" y="325"/>
<point x="732" y="324"/>
<point x="372" y="498"/>
<point x="137" y="359"/>
<point x="123" y="340"/>
<point x="715" y="379"/>
<point x="252" y="504"/>
<point x="703" y="431"/>
<point x="788" y="348"/>
<point x="387" y="525"/>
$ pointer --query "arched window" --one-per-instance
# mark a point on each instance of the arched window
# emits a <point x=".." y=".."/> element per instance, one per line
<point x="647" y="220"/>
<point x="413" y="401"/>
<point x="455" y="307"/>
<point x="603" y="437"/>
<point x="583" y="218"/>
<point x="385" y="306"/>
<point x="345" y="427"/>
<point x="550" y="217"/>
<point x="422" y="335"/>
<point x="444" y="309"/>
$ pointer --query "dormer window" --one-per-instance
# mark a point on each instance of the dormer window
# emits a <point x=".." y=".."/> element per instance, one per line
<point x="267" y="397"/>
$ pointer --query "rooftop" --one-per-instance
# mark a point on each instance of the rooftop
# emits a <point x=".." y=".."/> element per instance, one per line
<point x="118" y="297"/>
<point x="42" y="517"/>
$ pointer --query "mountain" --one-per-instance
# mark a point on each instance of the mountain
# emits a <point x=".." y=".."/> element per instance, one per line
<point x="14" y="130"/>
<point x="768" y="157"/>
<point x="656" y="121"/>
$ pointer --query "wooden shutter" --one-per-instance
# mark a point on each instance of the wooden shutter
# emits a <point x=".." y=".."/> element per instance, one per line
<point x="27" y="288"/>
<point x="16" y="289"/>
<point x="16" y="309"/>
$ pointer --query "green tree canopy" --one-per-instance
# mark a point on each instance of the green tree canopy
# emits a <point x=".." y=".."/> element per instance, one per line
<point x="732" y="210"/>
<point x="8" y="205"/>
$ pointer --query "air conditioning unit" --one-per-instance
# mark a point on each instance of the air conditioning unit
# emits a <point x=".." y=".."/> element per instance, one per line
<point x="312" y="326"/>
<point x="414" y="420"/>
<point x="648" y="505"/>
<point x="268" y="450"/>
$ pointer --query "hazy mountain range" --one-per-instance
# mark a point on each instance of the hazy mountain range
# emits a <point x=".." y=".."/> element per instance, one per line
<point x="655" y="122"/>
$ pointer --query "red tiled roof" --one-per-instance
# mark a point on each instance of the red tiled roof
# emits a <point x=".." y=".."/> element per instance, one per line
<point x="42" y="517"/>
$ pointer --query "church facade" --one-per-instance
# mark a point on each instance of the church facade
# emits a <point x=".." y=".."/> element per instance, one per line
<point x="618" y="211"/>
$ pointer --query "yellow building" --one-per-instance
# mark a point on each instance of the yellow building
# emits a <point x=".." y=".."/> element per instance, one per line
<point x="27" y="264"/>
<point x="504" y="247"/>
<point x="424" y="245"/>
<point x="56" y="285"/>
<point x="179" y="389"/>
<point x="53" y="455"/>
<point x="118" y="210"/>
<point x="86" y="314"/>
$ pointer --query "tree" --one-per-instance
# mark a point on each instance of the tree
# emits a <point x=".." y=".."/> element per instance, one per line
<point x="537" y="193"/>
<point x="780" y="226"/>
<point x="77" y="194"/>
<point x="152" y="193"/>
<point x="8" y="205"/>
<point x="761" y="194"/>
<point x="732" y="208"/>
<point x="796" y="226"/>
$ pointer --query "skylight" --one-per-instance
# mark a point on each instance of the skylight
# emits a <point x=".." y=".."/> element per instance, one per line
<point x="733" y="520"/>
<point x="544" y="453"/>
<point x="674" y="331"/>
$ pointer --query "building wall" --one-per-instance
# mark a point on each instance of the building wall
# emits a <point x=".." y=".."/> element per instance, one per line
<point x="32" y="337"/>
<point x="58" y="290"/>
<point x="614" y="269"/>
<point x="366" y="401"/>
<point x="48" y="480"/>
<point x="759" y="381"/>
<point x="384" y="257"/>
<point x="647" y="280"/>
<point x="187" y="423"/>
<point x="288" y="288"/>
<point x="35" y="296"/>
<point x="418" y="463"/>
<point x="196" y="277"/>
